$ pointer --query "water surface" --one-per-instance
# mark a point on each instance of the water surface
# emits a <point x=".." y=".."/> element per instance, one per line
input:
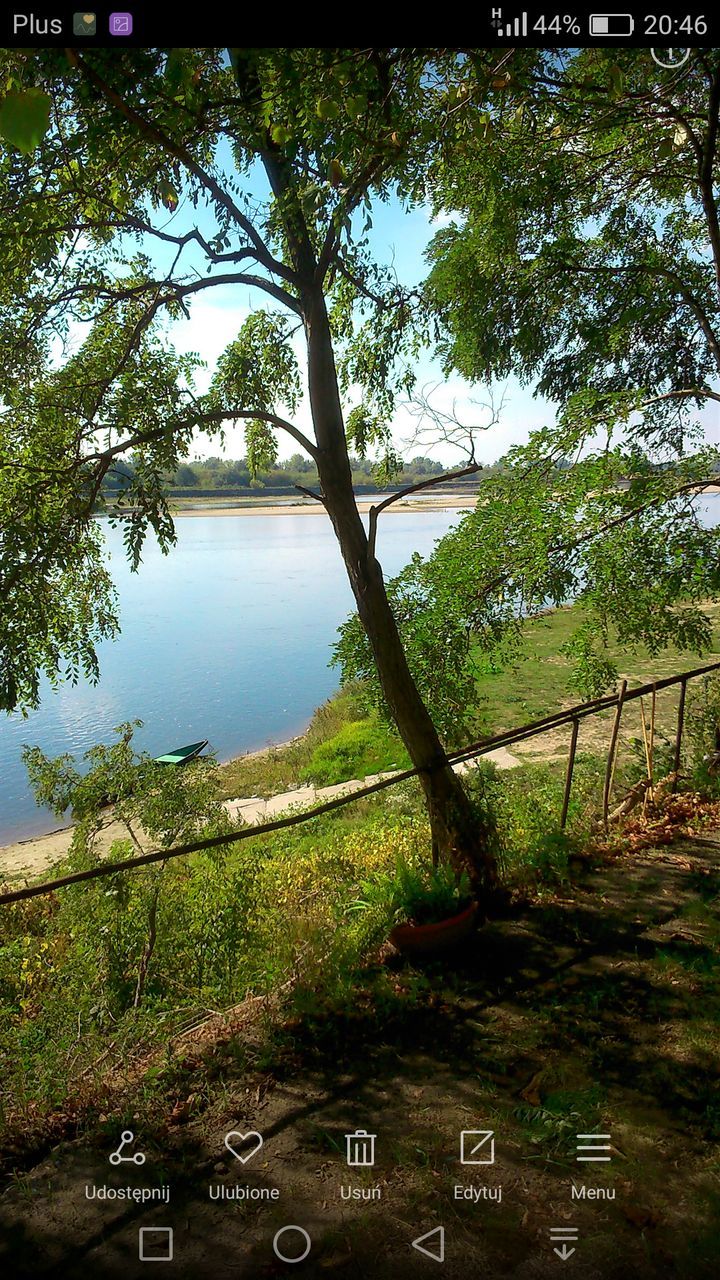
<point x="227" y="638"/>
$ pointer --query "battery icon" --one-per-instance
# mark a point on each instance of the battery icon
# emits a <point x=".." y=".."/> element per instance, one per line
<point x="611" y="24"/>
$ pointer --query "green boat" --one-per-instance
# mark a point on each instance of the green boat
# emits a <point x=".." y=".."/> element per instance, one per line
<point x="181" y="755"/>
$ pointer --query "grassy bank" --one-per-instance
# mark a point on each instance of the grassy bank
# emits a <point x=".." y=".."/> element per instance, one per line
<point x="344" y="742"/>
<point x="540" y="682"/>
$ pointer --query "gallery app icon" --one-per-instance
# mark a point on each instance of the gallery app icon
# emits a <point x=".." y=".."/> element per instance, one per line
<point x="84" y="24"/>
<point x="477" y="1146"/>
<point x="121" y="24"/>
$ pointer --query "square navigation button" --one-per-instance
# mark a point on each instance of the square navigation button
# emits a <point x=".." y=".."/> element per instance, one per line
<point x="156" y="1244"/>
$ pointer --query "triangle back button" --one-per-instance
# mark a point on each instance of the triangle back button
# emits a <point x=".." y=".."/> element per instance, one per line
<point x="437" y="1236"/>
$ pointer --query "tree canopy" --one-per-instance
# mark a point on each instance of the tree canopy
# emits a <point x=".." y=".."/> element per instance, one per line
<point x="161" y="175"/>
<point x="583" y="257"/>
<point x="131" y="183"/>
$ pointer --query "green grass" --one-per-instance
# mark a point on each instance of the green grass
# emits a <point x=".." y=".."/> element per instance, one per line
<point x="343" y="741"/>
<point x="539" y="683"/>
<point x="359" y="748"/>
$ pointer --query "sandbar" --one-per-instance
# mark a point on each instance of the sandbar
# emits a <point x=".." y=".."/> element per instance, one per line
<point x="309" y="508"/>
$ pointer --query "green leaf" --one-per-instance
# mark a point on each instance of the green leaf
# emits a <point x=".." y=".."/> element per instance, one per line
<point x="168" y="194"/>
<point x="280" y="134"/>
<point x="356" y="105"/>
<point x="617" y="81"/>
<point x="326" y="109"/>
<point x="24" y="118"/>
<point x="336" y="173"/>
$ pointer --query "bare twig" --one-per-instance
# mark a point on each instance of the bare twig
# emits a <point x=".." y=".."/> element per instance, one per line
<point x="412" y="488"/>
<point x="448" y="426"/>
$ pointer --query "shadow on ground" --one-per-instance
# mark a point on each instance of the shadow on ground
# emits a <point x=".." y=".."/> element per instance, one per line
<point x="596" y="1013"/>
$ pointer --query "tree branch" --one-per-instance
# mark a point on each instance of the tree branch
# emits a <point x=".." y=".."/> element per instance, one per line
<point x="616" y="522"/>
<point x="197" y="420"/>
<point x="664" y="273"/>
<point x="309" y="493"/>
<point x="706" y="173"/>
<point x="687" y="393"/>
<point x="156" y="135"/>
<point x="403" y="493"/>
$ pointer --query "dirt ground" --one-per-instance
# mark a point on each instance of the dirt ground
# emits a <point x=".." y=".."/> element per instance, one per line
<point x="595" y="1011"/>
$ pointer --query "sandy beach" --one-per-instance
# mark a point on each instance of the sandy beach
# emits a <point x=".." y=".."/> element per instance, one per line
<point x="453" y="501"/>
<point x="306" y="507"/>
<point x="28" y="859"/>
<point x="30" y="856"/>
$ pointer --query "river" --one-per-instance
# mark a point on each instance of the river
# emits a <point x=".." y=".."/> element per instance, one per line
<point x="227" y="638"/>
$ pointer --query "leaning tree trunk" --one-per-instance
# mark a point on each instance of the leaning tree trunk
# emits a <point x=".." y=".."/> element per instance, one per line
<point x="457" y="831"/>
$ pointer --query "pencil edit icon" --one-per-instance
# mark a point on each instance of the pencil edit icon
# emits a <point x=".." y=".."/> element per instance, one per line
<point x="477" y="1146"/>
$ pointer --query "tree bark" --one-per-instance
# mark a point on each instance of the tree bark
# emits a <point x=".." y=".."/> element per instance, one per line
<point x="458" y="833"/>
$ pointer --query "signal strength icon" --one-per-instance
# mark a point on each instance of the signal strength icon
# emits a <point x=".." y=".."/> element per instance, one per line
<point x="506" y="30"/>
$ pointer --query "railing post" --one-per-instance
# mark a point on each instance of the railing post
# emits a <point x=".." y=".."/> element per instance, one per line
<point x="611" y="754"/>
<point x="569" y="773"/>
<point x="679" y="734"/>
<point x="653" y="710"/>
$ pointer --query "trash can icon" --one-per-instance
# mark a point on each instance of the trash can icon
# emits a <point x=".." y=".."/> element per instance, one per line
<point x="360" y="1148"/>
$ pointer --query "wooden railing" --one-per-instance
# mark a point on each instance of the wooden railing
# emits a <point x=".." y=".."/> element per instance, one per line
<point x="571" y="716"/>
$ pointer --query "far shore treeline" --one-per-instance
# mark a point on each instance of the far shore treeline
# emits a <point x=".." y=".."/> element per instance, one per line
<point x="233" y="477"/>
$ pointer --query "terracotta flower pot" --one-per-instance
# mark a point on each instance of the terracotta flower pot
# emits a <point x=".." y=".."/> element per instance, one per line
<point x="432" y="939"/>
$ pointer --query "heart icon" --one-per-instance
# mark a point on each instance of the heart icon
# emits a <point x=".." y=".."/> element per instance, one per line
<point x="233" y="1139"/>
<point x="88" y="18"/>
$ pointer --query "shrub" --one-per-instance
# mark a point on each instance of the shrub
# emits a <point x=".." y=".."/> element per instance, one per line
<point x="416" y="893"/>
<point x="702" y="730"/>
<point x="267" y="915"/>
<point x="522" y="807"/>
<point x="359" y="748"/>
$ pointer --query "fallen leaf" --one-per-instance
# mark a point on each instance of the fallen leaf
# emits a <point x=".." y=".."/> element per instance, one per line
<point x="531" y="1092"/>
